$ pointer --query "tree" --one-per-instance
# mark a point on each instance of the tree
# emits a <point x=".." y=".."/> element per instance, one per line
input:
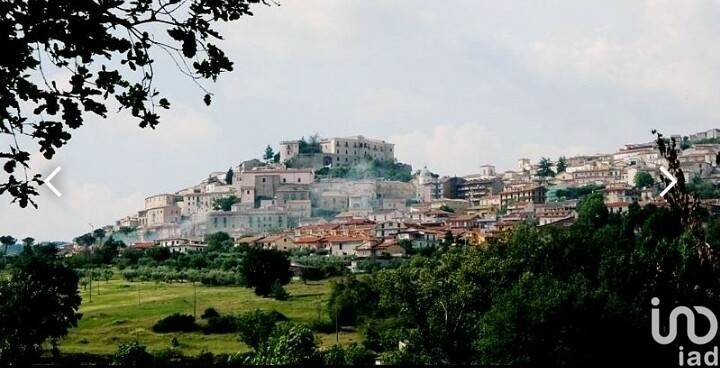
<point x="38" y="301"/>
<point x="545" y="168"/>
<point x="561" y="164"/>
<point x="132" y="354"/>
<point x="109" y="49"/>
<point x="224" y="203"/>
<point x="276" y="157"/>
<point x="643" y="180"/>
<point x="350" y="299"/>
<point x="269" y="154"/>
<point x="289" y="344"/>
<point x="256" y="327"/>
<point x="218" y="241"/>
<point x="85" y="240"/>
<point x="28" y="242"/>
<point x="158" y="254"/>
<point x="354" y="355"/>
<point x="261" y="268"/>
<point x="7" y="241"/>
<point x="229" y="176"/>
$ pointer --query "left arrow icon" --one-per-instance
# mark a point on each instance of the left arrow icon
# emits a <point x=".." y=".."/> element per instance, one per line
<point x="49" y="184"/>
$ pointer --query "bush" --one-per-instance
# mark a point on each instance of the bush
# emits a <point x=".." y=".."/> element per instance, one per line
<point x="221" y="324"/>
<point x="175" y="323"/>
<point x="354" y="355"/>
<point x="210" y="313"/>
<point x="256" y="326"/>
<point x="288" y="344"/>
<point x="323" y="325"/>
<point x="350" y="299"/>
<point x="132" y="354"/>
<point x="278" y="292"/>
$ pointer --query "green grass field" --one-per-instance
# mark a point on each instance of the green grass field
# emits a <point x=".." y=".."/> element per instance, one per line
<point x="114" y="315"/>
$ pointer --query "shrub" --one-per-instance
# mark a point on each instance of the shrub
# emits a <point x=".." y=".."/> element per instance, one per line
<point x="288" y="344"/>
<point x="210" y="313"/>
<point x="221" y="324"/>
<point x="132" y="354"/>
<point x="350" y="299"/>
<point x="354" y="355"/>
<point x="175" y="323"/>
<point x="278" y="292"/>
<point x="323" y="325"/>
<point x="256" y="326"/>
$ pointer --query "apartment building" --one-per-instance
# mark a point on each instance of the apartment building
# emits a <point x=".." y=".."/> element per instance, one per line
<point x="520" y="196"/>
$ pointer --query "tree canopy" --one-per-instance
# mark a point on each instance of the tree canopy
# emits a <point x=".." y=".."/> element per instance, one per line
<point x="643" y="179"/>
<point x="65" y="60"/>
<point x="545" y="168"/>
<point x="39" y="301"/>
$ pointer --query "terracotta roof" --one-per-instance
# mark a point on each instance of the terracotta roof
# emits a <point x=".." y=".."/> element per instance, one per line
<point x="307" y="239"/>
<point x="249" y="239"/>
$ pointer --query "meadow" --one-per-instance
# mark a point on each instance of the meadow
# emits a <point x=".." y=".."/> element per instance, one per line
<point x="123" y="311"/>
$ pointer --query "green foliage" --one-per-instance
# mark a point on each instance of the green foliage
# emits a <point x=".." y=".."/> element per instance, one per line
<point x="218" y="242"/>
<point x="561" y="165"/>
<point x="547" y="296"/>
<point x="224" y="203"/>
<point x="577" y="192"/>
<point x="262" y="268"/>
<point x="351" y="298"/>
<point x="229" y="176"/>
<point x="288" y="344"/>
<point x="369" y="169"/>
<point x="6" y="241"/>
<point x="269" y="154"/>
<point x="39" y="301"/>
<point x="320" y="266"/>
<point x="132" y="354"/>
<point x="643" y="180"/>
<point x="311" y="145"/>
<point x="158" y="254"/>
<point x="278" y="292"/>
<point x="85" y="239"/>
<point x="210" y="313"/>
<point x="175" y="322"/>
<point x="109" y="49"/>
<point x="446" y="208"/>
<point x="353" y="355"/>
<point x="221" y="324"/>
<point x="592" y="212"/>
<point x="703" y="189"/>
<point x="256" y="327"/>
<point x="545" y="168"/>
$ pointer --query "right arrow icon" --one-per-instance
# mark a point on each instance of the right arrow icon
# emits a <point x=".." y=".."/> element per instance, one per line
<point x="673" y="181"/>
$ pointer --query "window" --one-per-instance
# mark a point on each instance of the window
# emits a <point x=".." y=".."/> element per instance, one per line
<point x="263" y="180"/>
<point x="298" y="180"/>
<point x="284" y="180"/>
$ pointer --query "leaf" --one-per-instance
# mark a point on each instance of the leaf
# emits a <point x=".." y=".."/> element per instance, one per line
<point x="207" y="99"/>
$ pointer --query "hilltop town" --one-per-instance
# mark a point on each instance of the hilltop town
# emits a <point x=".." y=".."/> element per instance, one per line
<point x="349" y="196"/>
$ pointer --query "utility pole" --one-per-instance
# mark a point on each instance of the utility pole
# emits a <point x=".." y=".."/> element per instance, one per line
<point x="195" y="300"/>
<point x="91" y="285"/>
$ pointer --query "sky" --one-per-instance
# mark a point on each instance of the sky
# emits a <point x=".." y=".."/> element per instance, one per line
<point x="454" y="84"/>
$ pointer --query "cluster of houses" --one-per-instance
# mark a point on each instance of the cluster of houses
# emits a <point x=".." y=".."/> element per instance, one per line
<point x="283" y="205"/>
